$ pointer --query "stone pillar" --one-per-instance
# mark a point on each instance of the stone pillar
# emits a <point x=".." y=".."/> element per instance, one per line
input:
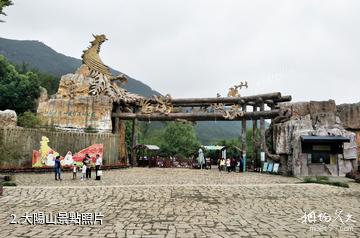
<point x="243" y="137"/>
<point x="255" y="144"/>
<point x="284" y="169"/>
<point x="262" y="129"/>
<point x="133" y="144"/>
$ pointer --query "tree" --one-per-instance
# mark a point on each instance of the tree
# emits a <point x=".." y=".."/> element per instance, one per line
<point x="17" y="91"/>
<point x="28" y="119"/>
<point x="47" y="81"/>
<point x="180" y="139"/>
<point x="4" y="3"/>
<point x="234" y="145"/>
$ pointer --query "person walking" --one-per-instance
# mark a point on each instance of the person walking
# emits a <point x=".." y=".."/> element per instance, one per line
<point x="222" y="164"/>
<point x="241" y="164"/>
<point x="57" y="168"/>
<point x="75" y="168"/>
<point x="89" y="167"/>
<point x="228" y="165"/>
<point x="83" y="172"/>
<point x="86" y="162"/>
<point x="98" y="164"/>
<point x="233" y="164"/>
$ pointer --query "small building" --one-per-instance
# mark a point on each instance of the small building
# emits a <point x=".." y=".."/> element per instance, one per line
<point x="145" y="152"/>
<point x="311" y="139"/>
<point x="323" y="152"/>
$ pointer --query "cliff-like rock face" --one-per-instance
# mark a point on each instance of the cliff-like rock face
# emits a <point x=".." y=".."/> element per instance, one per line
<point x="72" y="108"/>
<point x="311" y="118"/>
<point x="349" y="115"/>
<point x="8" y="118"/>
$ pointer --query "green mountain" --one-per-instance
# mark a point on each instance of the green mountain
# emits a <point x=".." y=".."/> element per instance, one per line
<point x="208" y="132"/>
<point x="37" y="55"/>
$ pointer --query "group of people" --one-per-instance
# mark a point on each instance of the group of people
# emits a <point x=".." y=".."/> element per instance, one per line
<point x="85" y="168"/>
<point x="230" y="164"/>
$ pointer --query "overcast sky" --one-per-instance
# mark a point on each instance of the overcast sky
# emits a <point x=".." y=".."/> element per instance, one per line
<point x="307" y="49"/>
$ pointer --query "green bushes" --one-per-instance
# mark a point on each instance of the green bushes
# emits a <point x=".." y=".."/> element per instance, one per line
<point x="28" y="119"/>
<point x="9" y="178"/>
<point x="9" y="183"/>
<point x="324" y="180"/>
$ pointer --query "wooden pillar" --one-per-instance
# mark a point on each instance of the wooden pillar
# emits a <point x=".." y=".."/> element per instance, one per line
<point x="255" y="144"/>
<point x="116" y="122"/>
<point x="243" y="137"/>
<point x="133" y="144"/>
<point x="119" y="129"/>
<point x="262" y="129"/>
<point x="122" y="143"/>
<point x="272" y="107"/>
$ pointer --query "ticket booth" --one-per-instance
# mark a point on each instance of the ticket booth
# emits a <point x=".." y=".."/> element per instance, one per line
<point x="323" y="153"/>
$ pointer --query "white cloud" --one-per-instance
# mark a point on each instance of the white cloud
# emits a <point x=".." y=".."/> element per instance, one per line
<point x="308" y="49"/>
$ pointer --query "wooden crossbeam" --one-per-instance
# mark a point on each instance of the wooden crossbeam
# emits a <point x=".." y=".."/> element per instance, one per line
<point x="200" y="116"/>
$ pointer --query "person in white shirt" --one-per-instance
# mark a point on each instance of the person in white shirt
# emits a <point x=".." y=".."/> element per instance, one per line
<point x="83" y="172"/>
<point x="228" y="165"/>
<point x="98" y="164"/>
<point x="74" y="170"/>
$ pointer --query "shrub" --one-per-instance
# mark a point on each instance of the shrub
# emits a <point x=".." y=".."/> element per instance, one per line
<point x="28" y="119"/>
<point x="324" y="180"/>
<point x="9" y="183"/>
<point x="9" y="178"/>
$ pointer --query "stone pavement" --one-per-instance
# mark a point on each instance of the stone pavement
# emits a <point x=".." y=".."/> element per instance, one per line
<point x="144" y="202"/>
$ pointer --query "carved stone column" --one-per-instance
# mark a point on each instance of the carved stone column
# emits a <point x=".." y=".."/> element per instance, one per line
<point x="243" y="137"/>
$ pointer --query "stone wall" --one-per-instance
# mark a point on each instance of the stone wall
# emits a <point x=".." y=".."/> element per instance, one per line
<point x="72" y="108"/>
<point x="80" y="113"/>
<point x="24" y="141"/>
<point x="349" y="115"/>
<point x="311" y="118"/>
<point x="8" y="118"/>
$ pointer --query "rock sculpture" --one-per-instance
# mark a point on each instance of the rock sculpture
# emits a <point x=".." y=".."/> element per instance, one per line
<point x="309" y="118"/>
<point x="8" y="118"/>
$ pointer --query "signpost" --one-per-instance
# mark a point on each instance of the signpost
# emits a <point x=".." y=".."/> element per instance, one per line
<point x="244" y="158"/>
<point x="262" y="159"/>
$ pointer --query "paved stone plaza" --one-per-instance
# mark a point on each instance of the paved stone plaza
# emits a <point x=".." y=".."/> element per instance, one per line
<point x="142" y="202"/>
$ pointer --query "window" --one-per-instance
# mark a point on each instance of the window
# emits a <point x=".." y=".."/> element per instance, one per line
<point x="320" y="158"/>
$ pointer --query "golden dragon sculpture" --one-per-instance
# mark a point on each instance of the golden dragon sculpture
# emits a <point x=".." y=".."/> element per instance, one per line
<point x="103" y="81"/>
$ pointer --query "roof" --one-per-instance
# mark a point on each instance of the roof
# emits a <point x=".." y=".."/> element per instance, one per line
<point x="213" y="147"/>
<point x="324" y="139"/>
<point x="149" y="147"/>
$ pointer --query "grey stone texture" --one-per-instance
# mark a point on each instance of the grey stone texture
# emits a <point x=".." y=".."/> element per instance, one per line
<point x="8" y="118"/>
<point x="312" y="118"/>
<point x="180" y="203"/>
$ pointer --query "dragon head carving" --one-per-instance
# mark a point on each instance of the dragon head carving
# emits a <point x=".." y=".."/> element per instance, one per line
<point x="99" y="39"/>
